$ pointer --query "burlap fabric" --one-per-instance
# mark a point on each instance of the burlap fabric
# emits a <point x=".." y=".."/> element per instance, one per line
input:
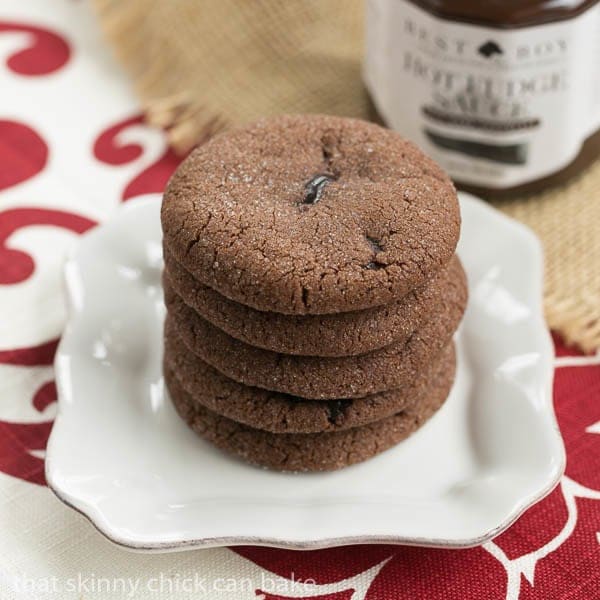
<point x="202" y="66"/>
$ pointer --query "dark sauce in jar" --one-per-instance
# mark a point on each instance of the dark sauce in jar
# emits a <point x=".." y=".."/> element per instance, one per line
<point x="504" y="94"/>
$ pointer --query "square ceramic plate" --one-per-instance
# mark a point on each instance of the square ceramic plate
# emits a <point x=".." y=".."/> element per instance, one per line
<point x="120" y="455"/>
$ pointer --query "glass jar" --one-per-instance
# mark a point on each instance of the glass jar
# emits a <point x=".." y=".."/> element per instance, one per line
<point x="503" y="94"/>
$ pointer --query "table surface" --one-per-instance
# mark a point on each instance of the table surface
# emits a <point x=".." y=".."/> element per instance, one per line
<point x="72" y="147"/>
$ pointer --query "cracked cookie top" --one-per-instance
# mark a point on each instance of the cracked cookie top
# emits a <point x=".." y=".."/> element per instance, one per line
<point x="310" y="214"/>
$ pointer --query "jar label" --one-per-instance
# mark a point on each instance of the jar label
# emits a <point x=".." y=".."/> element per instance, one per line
<point x="494" y="107"/>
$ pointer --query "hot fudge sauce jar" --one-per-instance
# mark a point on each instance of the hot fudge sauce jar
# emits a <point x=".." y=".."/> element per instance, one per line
<point x="504" y="94"/>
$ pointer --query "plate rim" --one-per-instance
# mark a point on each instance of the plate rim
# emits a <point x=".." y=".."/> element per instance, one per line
<point x="99" y="523"/>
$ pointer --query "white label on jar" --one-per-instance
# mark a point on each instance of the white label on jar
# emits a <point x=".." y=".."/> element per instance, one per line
<point x="494" y="107"/>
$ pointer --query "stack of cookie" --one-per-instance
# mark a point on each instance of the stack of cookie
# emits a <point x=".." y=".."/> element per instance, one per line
<point x="312" y="291"/>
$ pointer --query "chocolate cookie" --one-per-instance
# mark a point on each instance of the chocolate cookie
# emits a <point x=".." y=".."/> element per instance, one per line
<point x="310" y="214"/>
<point x="281" y="413"/>
<point x="392" y="367"/>
<point x="341" y="334"/>
<point x="304" y="451"/>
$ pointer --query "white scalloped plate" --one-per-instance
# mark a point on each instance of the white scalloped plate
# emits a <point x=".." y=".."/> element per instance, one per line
<point x="119" y="454"/>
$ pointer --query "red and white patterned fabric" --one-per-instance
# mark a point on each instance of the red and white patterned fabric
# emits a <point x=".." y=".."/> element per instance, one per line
<point x="72" y="147"/>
